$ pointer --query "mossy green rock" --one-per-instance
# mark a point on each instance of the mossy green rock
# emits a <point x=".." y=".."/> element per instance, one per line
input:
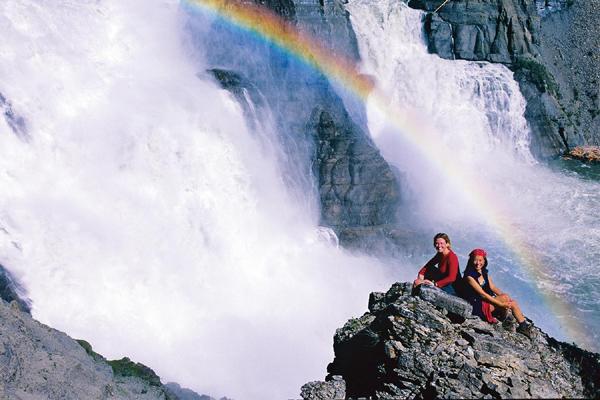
<point x="126" y="367"/>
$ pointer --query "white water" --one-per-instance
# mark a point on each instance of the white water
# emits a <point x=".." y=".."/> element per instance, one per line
<point x="143" y="216"/>
<point x="476" y="112"/>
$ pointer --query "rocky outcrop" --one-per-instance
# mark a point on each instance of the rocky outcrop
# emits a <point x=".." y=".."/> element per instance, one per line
<point x="552" y="46"/>
<point x="38" y="362"/>
<point x="428" y="346"/>
<point x="590" y="154"/>
<point x="335" y="388"/>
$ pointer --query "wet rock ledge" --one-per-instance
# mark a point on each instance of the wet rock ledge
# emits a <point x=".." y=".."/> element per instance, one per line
<point x="429" y="346"/>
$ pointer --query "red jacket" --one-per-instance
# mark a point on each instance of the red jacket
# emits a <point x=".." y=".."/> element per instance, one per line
<point x="447" y="265"/>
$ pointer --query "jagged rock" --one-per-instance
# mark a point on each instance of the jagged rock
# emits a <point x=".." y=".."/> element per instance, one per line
<point x="585" y="153"/>
<point x="407" y="347"/>
<point x="38" y="362"/>
<point x="443" y="300"/>
<point x="335" y="389"/>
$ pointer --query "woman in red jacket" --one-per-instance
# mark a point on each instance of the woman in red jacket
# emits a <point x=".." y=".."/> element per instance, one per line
<point x="442" y="270"/>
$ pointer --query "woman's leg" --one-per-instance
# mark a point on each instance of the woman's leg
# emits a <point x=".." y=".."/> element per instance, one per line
<point x="514" y="306"/>
<point x="501" y="312"/>
<point x="517" y="311"/>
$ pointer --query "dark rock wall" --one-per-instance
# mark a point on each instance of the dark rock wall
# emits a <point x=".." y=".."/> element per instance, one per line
<point x="570" y="49"/>
<point x="490" y="30"/>
<point x="555" y="59"/>
<point x="356" y="186"/>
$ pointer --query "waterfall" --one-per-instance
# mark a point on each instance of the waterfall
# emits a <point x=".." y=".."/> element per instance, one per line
<point x="476" y="111"/>
<point x="148" y="216"/>
<point x="160" y="217"/>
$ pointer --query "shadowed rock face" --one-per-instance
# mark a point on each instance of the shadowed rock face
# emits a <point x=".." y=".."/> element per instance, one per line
<point x="356" y="185"/>
<point x="10" y="291"/>
<point x="495" y="31"/>
<point x="555" y="58"/>
<point x="428" y="345"/>
<point x="357" y="188"/>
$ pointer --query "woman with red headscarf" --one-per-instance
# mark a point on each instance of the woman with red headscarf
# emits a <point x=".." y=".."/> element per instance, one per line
<point x="442" y="270"/>
<point x="486" y="298"/>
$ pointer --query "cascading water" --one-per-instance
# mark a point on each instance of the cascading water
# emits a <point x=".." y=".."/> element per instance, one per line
<point x="143" y="215"/>
<point x="475" y="111"/>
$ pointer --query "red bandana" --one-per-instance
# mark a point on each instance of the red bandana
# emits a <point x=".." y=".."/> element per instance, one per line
<point x="478" y="252"/>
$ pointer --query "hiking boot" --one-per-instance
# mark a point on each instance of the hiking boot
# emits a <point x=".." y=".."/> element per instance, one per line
<point x="526" y="329"/>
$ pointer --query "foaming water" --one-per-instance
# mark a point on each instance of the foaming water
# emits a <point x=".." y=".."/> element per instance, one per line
<point x="476" y="112"/>
<point x="143" y="215"/>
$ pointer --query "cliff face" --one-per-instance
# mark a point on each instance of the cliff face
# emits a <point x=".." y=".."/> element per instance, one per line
<point x="552" y="46"/>
<point x="356" y="187"/>
<point x="570" y="48"/>
<point x="429" y="346"/>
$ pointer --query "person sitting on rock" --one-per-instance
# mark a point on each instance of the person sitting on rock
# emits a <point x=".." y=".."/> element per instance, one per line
<point x="487" y="300"/>
<point x="442" y="270"/>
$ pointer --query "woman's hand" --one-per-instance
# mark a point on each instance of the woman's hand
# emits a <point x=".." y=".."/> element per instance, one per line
<point x="504" y="301"/>
<point x="508" y="304"/>
<point x="420" y="281"/>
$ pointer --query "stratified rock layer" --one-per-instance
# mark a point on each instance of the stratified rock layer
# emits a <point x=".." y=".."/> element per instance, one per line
<point x="356" y="185"/>
<point x="495" y="31"/>
<point x="428" y="345"/>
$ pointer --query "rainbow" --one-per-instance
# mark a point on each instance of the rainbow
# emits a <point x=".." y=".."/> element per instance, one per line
<point x="274" y="29"/>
